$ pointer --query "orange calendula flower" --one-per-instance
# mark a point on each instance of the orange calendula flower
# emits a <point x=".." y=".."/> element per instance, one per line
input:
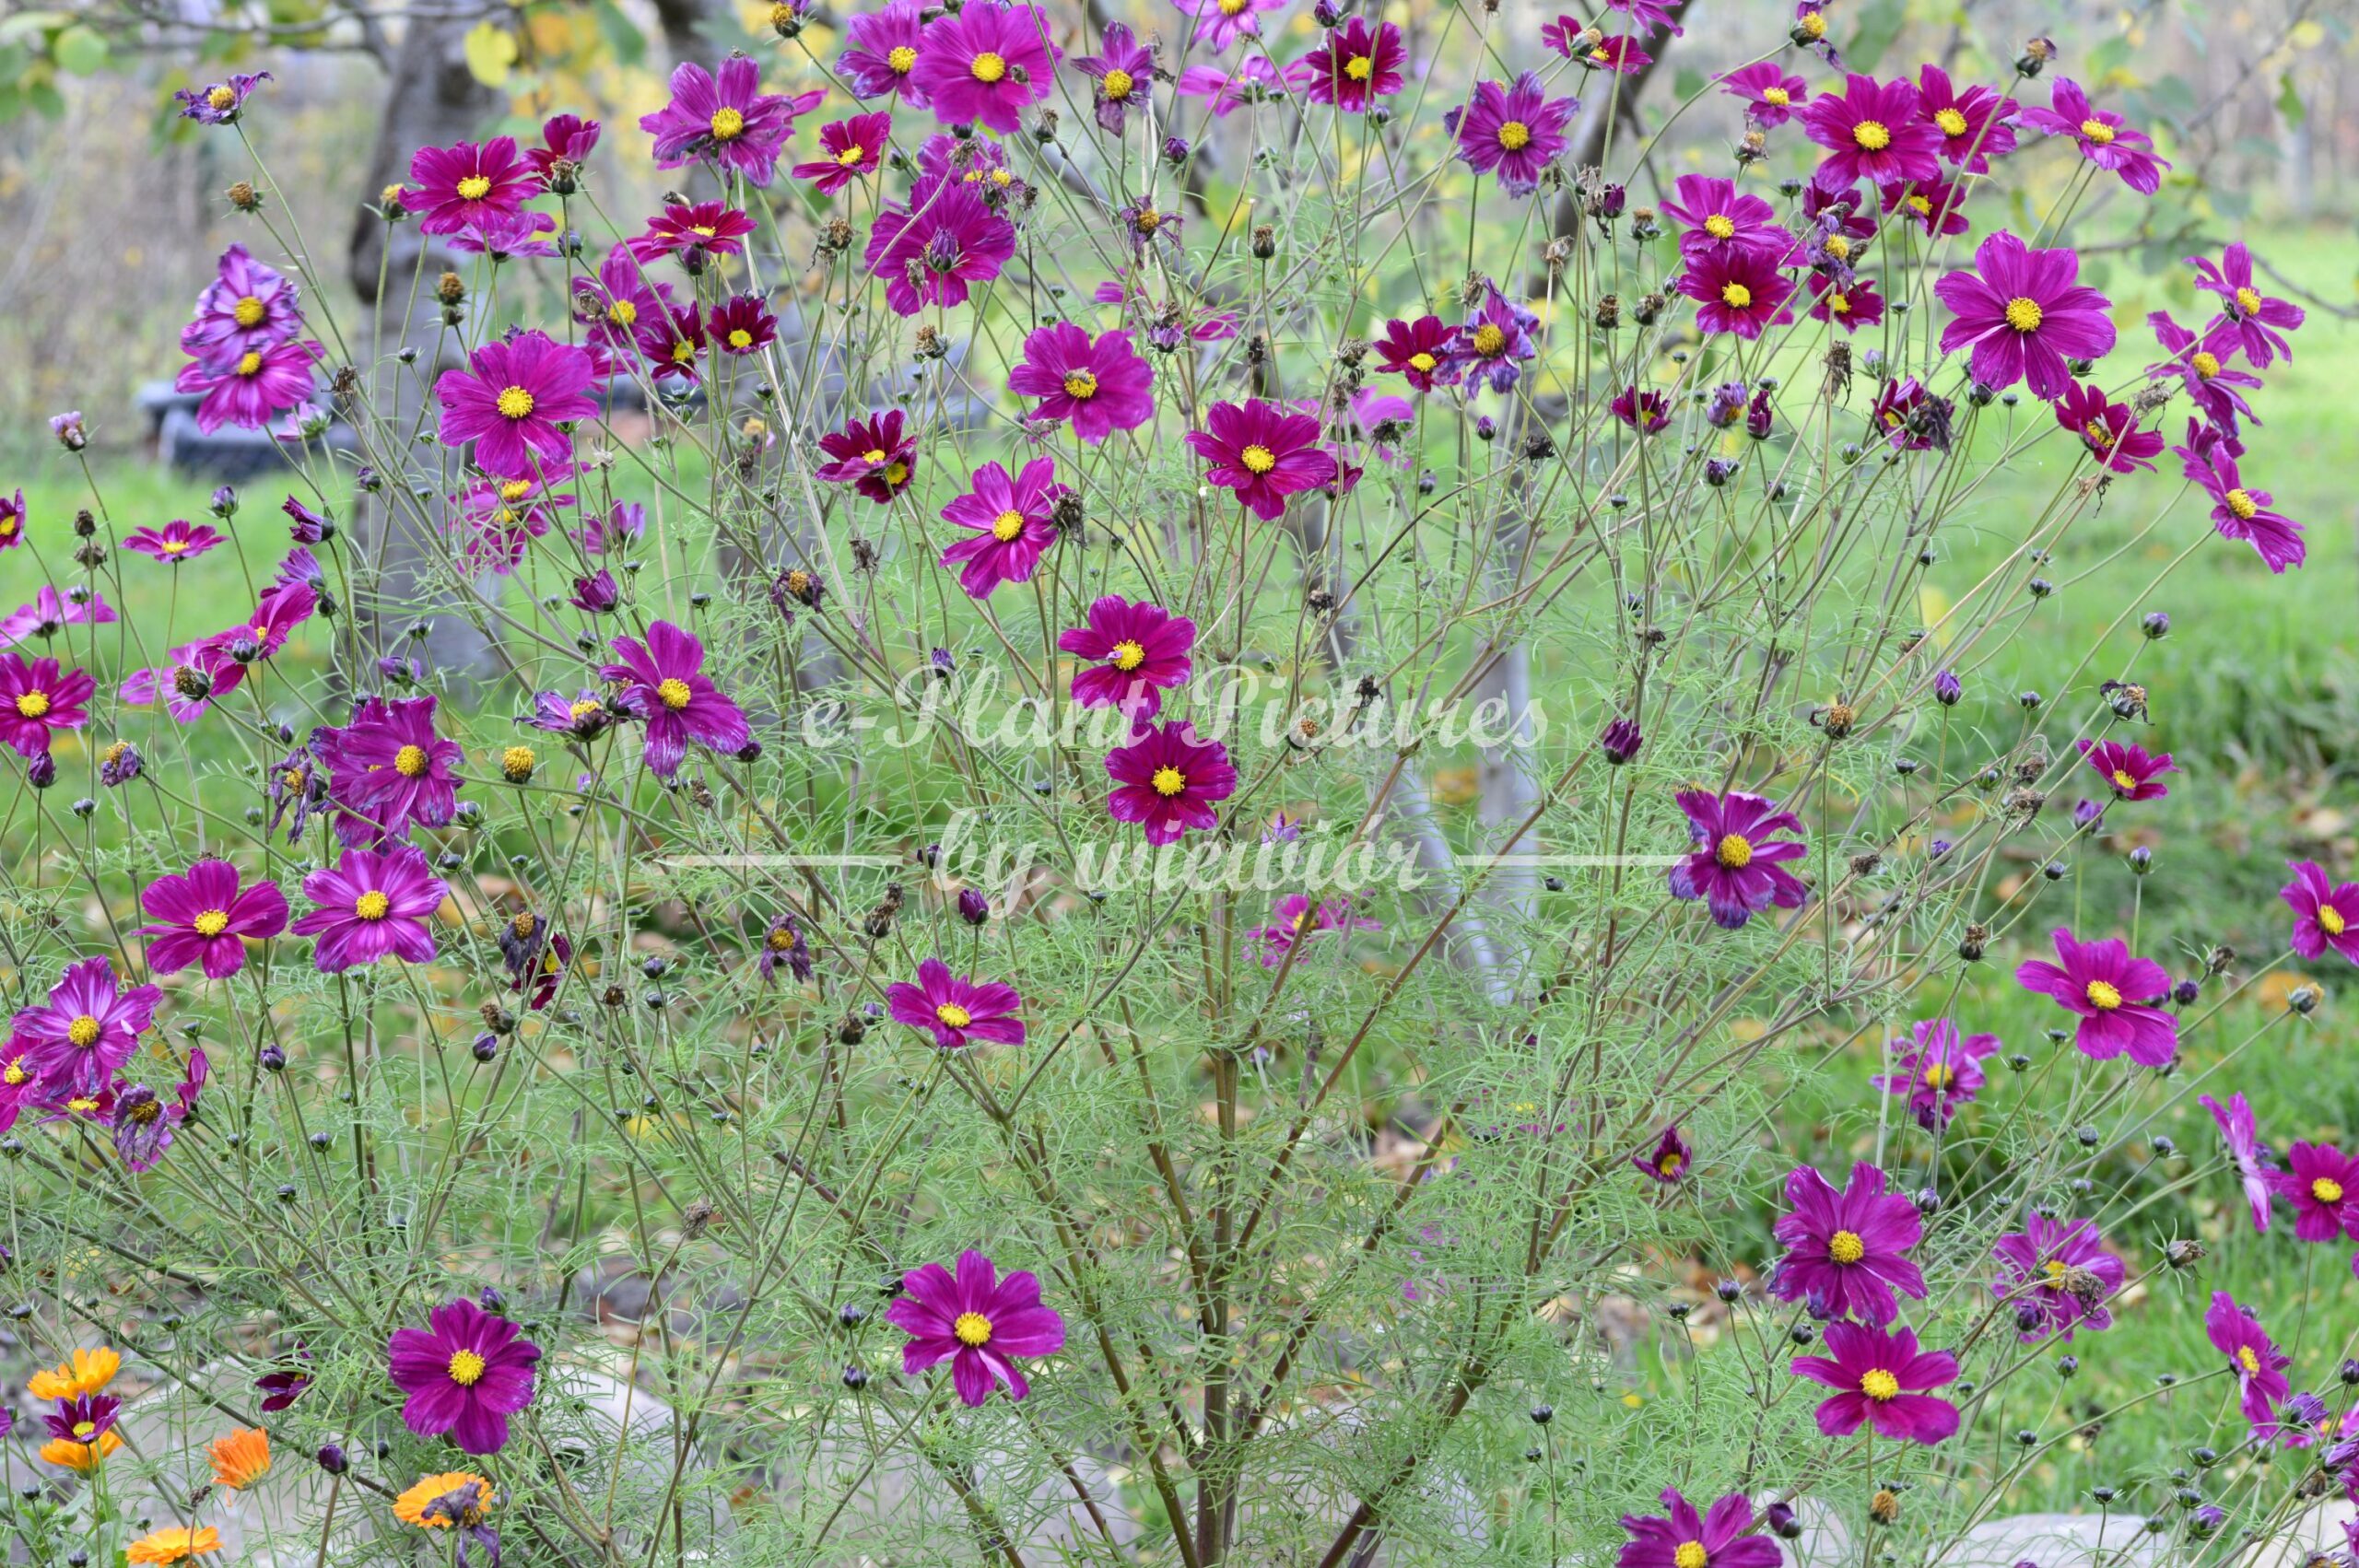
<point x="411" y="1506"/>
<point x="86" y="1372"/>
<point x="69" y="1454"/>
<point x="177" y="1544"/>
<point x="242" y="1459"/>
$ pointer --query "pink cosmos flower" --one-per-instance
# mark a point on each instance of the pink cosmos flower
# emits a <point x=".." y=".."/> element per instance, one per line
<point x="247" y="308"/>
<point x="742" y="324"/>
<point x="1296" y="920"/>
<point x="37" y="697"/>
<point x="1254" y="80"/>
<point x="881" y="61"/>
<point x="12" y="521"/>
<point x="2246" y="1152"/>
<point x="1872" y="130"/>
<point x="205" y="917"/>
<point x="976" y="1322"/>
<point x="613" y="304"/>
<point x="1010" y="522"/>
<point x="930" y="251"/>
<point x="465" y="1373"/>
<point x="2201" y="366"/>
<point x="1586" y="45"/>
<point x="1120" y="73"/>
<point x="1680" y="1537"/>
<point x="503" y="239"/>
<point x="2105" y="140"/>
<point x="1220" y="23"/>
<point x="1166" y="780"/>
<point x="2112" y="994"/>
<point x="1101" y="384"/>
<point x="1938" y="1070"/>
<point x="981" y="64"/>
<point x="1718" y="217"/>
<point x="467" y="182"/>
<point x="955" y="1010"/>
<point x="1845" y="1251"/>
<point x="2126" y="768"/>
<point x="567" y="142"/>
<point x="252" y="389"/>
<point x="1647" y="412"/>
<point x="1935" y="207"/>
<point x="1512" y="131"/>
<point x="1356" y="64"/>
<point x="2261" y="323"/>
<point x="511" y="399"/>
<point x="1771" y="97"/>
<point x="1264" y="452"/>
<point x="77" y="1039"/>
<point x="2240" y="512"/>
<point x="1850" y="308"/>
<point x="693" y="232"/>
<point x="2259" y="1366"/>
<point x="1737" y="867"/>
<point x="1145" y="651"/>
<point x="1976" y="125"/>
<point x="2059" y="1275"/>
<point x="51" y="612"/>
<point x="2023" y="315"/>
<point x="370" y="906"/>
<point x="1494" y="342"/>
<point x="726" y="117"/>
<point x="2321" y="1182"/>
<point x="1418" y="351"/>
<point x="388" y="771"/>
<point x="664" y="685"/>
<point x="1736" y="290"/>
<point x="2324" y="915"/>
<point x="177" y="540"/>
<point x="851" y="147"/>
<point x="1882" y="1380"/>
<point x="872" y="455"/>
<point x="2108" y="429"/>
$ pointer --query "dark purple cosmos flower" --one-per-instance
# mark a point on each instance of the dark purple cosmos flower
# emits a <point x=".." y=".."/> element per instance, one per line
<point x="2103" y="139"/>
<point x="119" y="763"/>
<point x="388" y="771"/>
<point x="725" y="116"/>
<point x="692" y="231"/>
<point x="1645" y="412"/>
<point x="1417" y="350"/>
<point x="204" y="916"/>
<point x="1909" y="417"/>
<point x="252" y="389"/>
<point x="1976" y="125"/>
<point x="1844" y="1250"/>
<point x="2323" y="1184"/>
<point x="1220" y="23"/>
<point x="2324" y="915"/>
<point x="1138" y="651"/>
<point x="2061" y="1272"/>
<point x="511" y="398"/>
<point x="1938" y="1068"/>
<point x="465" y="1373"/>
<point x="1936" y="207"/>
<point x="12" y="521"/>
<point x="84" y="1418"/>
<point x="882" y="58"/>
<point x="2126" y="768"/>
<point x="282" y="1387"/>
<point x="1849" y="307"/>
<point x="1296" y="920"/>
<point x="1101" y="384"/>
<point x="1736" y="290"/>
<point x="2260" y="1366"/>
<point x="1872" y="130"/>
<point x="930" y="251"/>
<point x="1121" y="72"/>
<point x="467" y="182"/>
<point x="1263" y="451"/>
<point x="581" y="716"/>
<point x="567" y="142"/>
<point x="742" y="324"/>
<point x="37" y="697"/>
<point x="370" y="906"/>
<point x="955" y="1010"/>
<point x="1166" y="780"/>
<point x="872" y="455"/>
<point x="981" y="64"/>
<point x="2108" y="429"/>
<point x="1620" y="741"/>
<point x="784" y="943"/>
<point x="1771" y="97"/>
<point x="51" y="612"/>
<point x="510" y="236"/>
<point x="664" y="684"/>
<point x="1668" y="1160"/>
<point x="673" y="342"/>
<point x="247" y="308"/>
<point x="177" y="540"/>
<point x="2239" y="512"/>
<point x="2022" y="314"/>
<point x="976" y="1322"/>
<point x="1512" y="131"/>
<point x="1356" y="64"/>
<point x="1494" y="342"/>
<point x="1681" y="1538"/>
<point x="1010" y="522"/>
<point x="2200" y="364"/>
<point x="77" y="1039"/>
<point x="144" y="1122"/>
<point x="1881" y="1377"/>
<point x="1255" y="80"/>
<point x="851" y="148"/>
<point x="2261" y="323"/>
<point x="2112" y="994"/>
<point x="219" y="103"/>
<point x="613" y="304"/>
<point x="1735" y="867"/>
<point x="1718" y="217"/>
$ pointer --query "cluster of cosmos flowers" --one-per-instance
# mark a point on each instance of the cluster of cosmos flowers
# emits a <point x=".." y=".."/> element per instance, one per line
<point x="938" y="92"/>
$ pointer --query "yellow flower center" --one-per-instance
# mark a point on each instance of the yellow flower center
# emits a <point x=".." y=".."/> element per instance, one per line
<point x="728" y="124"/>
<point x="2098" y="131"/>
<point x="1777" y="98"/>
<point x="955" y="1017"/>
<point x="1422" y="361"/>
<point x="1258" y="459"/>
<point x="514" y="403"/>
<point x="1940" y="1075"/>
<point x="1490" y="338"/>
<point x="410" y="761"/>
<point x="1735" y="296"/>
<point x="2329" y="919"/>
<point x="1117" y="85"/>
<point x="1952" y="122"/>
<point x="1811" y="24"/>
<point x="895" y="473"/>
<point x="1839" y="302"/>
<point x="582" y="706"/>
<point x="1669" y="1164"/>
<point x="1879" y="1384"/>
<point x="1720" y="226"/>
<point x="475" y="188"/>
<point x="2206" y="365"/>
<point x="2122" y="780"/>
<point x="740" y="338"/>
<point x="2247" y="1358"/>
<point x="14" y="1074"/>
<point x="988" y="68"/>
<point x="1230" y="7"/>
<point x="1734" y="851"/>
<point x="973" y="1329"/>
<point x="1691" y="1554"/>
<point x="1081" y="383"/>
<point x="2243" y="505"/>
<point x="222" y="95"/>
<point x="1169" y="781"/>
<point x="1872" y="136"/>
<point x="517" y="762"/>
<point x="2056" y="1271"/>
<point x="372" y="906"/>
<point x="851" y="158"/>
<point x="466" y="1367"/>
<point x="1838" y="247"/>
<point x="902" y="60"/>
<point x="2022" y="314"/>
<point x="622" y="312"/>
<point x="2105" y="998"/>
<point x="211" y="922"/>
<point x="1129" y="655"/>
<point x="1845" y="1247"/>
<point x="673" y="693"/>
<point x="1007" y="527"/>
<point x="249" y="311"/>
<point x="2248" y="301"/>
<point x="83" y="1430"/>
<point x="1602" y="55"/>
<point x="515" y="489"/>
<point x="250" y="363"/>
<point x="83" y="1032"/>
<point x="1515" y="135"/>
<point x="2326" y="1189"/>
<point x="1359" y="67"/>
<point x="873" y="456"/>
<point x="703" y="230"/>
<point x="33" y="704"/>
<point x="1921" y="205"/>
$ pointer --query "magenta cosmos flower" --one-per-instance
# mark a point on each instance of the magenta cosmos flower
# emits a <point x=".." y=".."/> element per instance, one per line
<point x="1120" y="73"/>
<point x="1297" y="920"/>
<point x="177" y="540"/>
<point x="1850" y="307"/>
<point x="2239" y="512"/>
<point x="1718" y="217"/>
<point x="2103" y="139"/>
<point x="2023" y="315"/>
<point x="664" y="684"/>
<point x="247" y="308"/>
<point x="1737" y="291"/>
<point x="465" y="1373"/>
<point x="1101" y="384"/>
<point x="1494" y="342"/>
<point x="692" y="231"/>
<point x="78" y="1039"/>
<point x="204" y="916"/>
<point x="2128" y="770"/>
<point x="1220" y="23"/>
<point x="1166" y="780"/>
<point x="981" y="64"/>
<point x="742" y="324"/>
<point x="2108" y="429"/>
<point x="370" y="906"/>
<point x="2323" y="1184"/>
<point x="955" y="1010"/>
<point x="1138" y="651"/>
<point x="2246" y="1152"/>
<point x="2261" y="323"/>
<point x="1647" y="412"/>
<point x="511" y="399"/>
<point x="12" y="519"/>
<point x="388" y="771"/>
<point x="567" y="142"/>
<point x="2260" y="1366"/>
<point x="882" y="58"/>
<point x="1937" y="206"/>
<point x="1417" y="351"/>
<point x="1872" y="130"/>
<point x="37" y="697"/>
<point x="1264" y="452"/>
<point x="2200" y="365"/>
<point x="219" y="103"/>
<point x="1938" y="1068"/>
<point x="252" y="389"/>
<point x="1881" y="1380"/>
<point x="468" y="182"/>
<point x="1976" y="125"/>
<point x="51" y="612"/>
<point x="1255" y="81"/>
<point x="2324" y="915"/>
<point x="1680" y="1538"/>
<point x="849" y="149"/>
<point x="1668" y="1160"/>
<point x="1356" y="64"/>
<point x="1619" y="53"/>
<point x="976" y="1322"/>
<point x="2112" y="994"/>
<point x="727" y="117"/>
<point x="2061" y="1270"/>
<point x="944" y="239"/>
<point x="872" y="455"/>
<point x="1010" y="519"/>
<point x="1771" y="97"/>
<point x="1735" y="867"/>
<point x="1512" y="131"/>
<point x="1845" y="1251"/>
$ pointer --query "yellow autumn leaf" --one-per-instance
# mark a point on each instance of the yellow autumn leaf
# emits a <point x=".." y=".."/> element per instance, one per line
<point x="491" y="50"/>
